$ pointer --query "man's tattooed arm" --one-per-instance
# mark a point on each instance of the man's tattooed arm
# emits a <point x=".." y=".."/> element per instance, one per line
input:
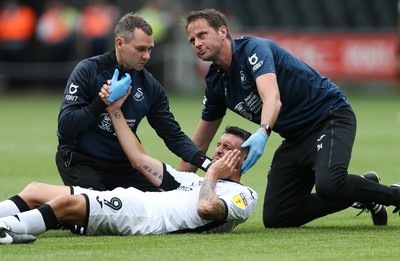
<point x="210" y="207"/>
<point x="116" y="115"/>
<point x="148" y="166"/>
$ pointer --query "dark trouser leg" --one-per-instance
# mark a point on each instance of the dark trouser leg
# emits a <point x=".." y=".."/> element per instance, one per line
<point x="288" y="200"/>
<point x="323" y="155"/>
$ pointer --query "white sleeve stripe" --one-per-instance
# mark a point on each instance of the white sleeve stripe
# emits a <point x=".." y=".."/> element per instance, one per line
<point x="206" y="163"/>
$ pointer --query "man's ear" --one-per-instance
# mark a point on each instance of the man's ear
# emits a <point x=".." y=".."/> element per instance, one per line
<point x="119" y="41"/>
<point x="243" y="155"/>
<point x="223" y="31"/>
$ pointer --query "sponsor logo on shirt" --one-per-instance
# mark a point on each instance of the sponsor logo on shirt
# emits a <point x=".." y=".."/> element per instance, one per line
<point x="73" y="88"/>
<point x="241" y="110"/>
<point x="240" y="200"/>
<point x="253" y="60"/>
<point x="254" y="102"/>
<point x="106" y="123"/>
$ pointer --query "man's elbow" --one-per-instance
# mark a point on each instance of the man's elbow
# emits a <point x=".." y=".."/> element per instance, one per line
<point x="137" y="163"/>
<point x="278" y="103"/>
<point x="205" y="211"/>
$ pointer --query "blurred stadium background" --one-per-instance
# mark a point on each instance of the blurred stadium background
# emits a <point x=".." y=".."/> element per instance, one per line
<point x="354" y="42"/>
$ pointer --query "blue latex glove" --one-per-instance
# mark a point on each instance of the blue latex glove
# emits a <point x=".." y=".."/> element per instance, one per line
<point x="119" y="87"/>
<point x="256" y="144"/>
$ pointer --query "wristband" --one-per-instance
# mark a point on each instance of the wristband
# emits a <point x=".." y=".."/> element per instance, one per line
<point x="267" y="128"/>
<point x="201" y="161"/>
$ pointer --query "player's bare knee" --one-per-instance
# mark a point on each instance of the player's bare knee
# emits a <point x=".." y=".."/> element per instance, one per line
<point x="33" y="187"/>
<point x="30" y="192"/>
<point x="62" y="202"/>
<point x="68" y="208"/>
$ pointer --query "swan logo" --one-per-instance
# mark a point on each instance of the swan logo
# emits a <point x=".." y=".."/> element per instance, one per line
<point x="138" y="96"/>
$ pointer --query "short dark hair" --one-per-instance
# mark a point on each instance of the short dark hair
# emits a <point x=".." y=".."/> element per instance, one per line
<point x="234" y="130"/>
<point x="215" y="18"/>
<point x="128" y="23"/>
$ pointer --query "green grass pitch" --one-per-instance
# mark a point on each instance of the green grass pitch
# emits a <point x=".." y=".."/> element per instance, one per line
<point x="27" y="148"/>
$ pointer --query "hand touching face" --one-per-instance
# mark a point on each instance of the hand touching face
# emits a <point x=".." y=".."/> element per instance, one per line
<point x="226" y="165"/>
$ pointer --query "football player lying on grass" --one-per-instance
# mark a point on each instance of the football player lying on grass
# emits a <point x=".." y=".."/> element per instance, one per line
<point x="188" y="203"/>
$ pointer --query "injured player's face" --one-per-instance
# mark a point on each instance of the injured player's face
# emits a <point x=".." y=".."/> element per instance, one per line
<point x="226" y="143"/>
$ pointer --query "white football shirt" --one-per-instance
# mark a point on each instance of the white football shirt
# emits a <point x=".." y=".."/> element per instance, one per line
<point x="133" y="212"/>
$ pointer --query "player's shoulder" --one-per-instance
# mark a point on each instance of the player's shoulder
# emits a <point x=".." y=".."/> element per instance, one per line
<point x="246" y="46"/>
<point x="252" y="193"/>
<point x="248" y="194"/>
<point x="250" y="41"/>
<point x="181" y="174"/>
<point x="91" y="65"/>
<point x="244" y="190"/>
<point x="98" y="64"/>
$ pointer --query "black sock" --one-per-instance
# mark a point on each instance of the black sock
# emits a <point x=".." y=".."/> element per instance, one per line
<point x="21" y="204"/>
<point x="49" y="217"/>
